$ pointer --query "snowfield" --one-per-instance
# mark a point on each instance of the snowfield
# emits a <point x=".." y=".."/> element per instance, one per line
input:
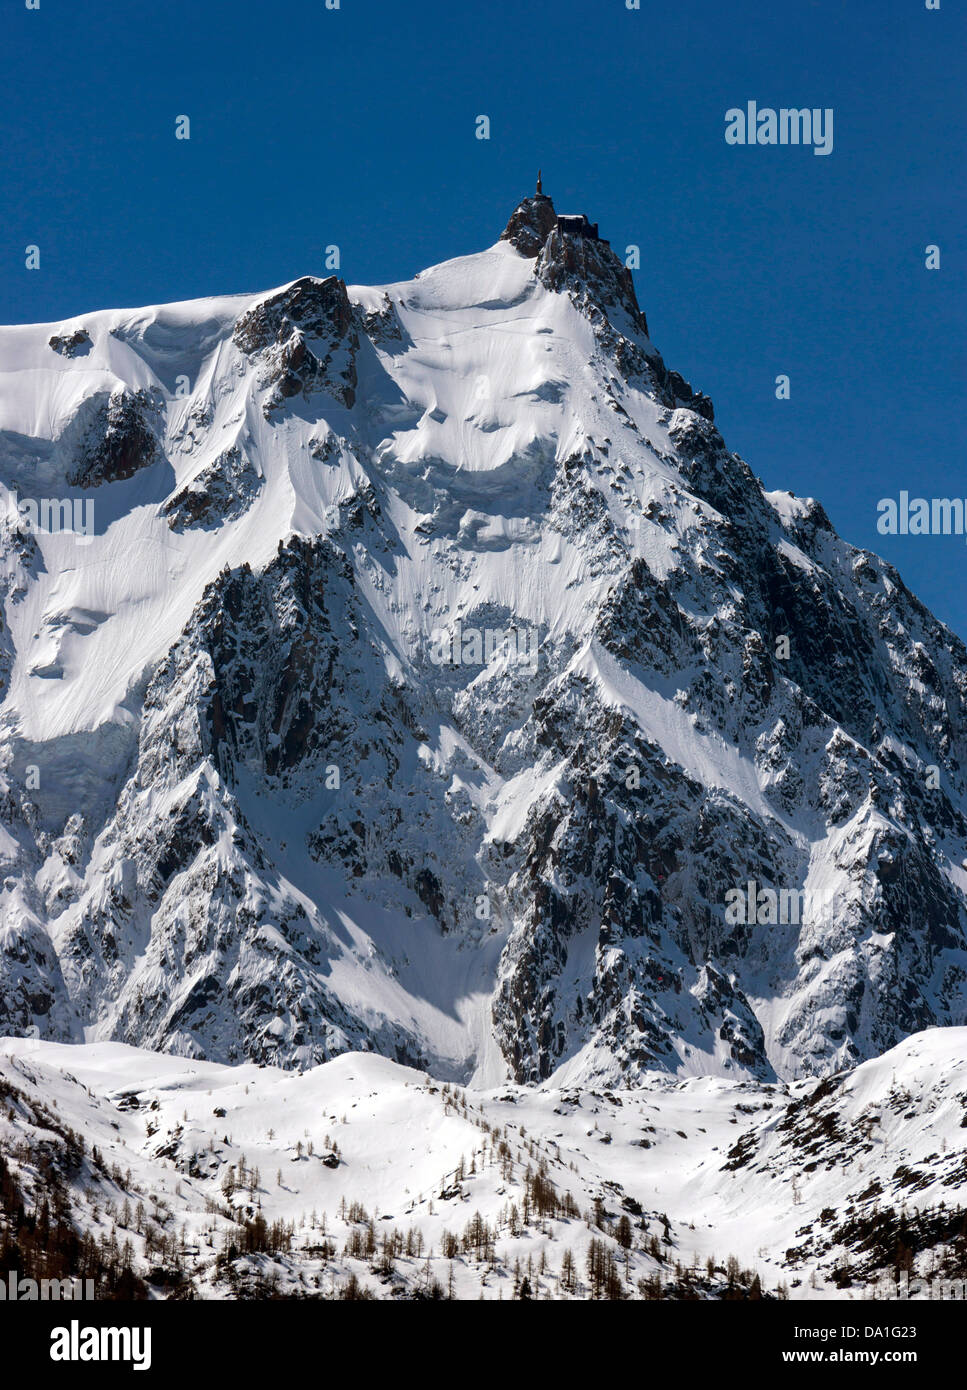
<point x="766" y="1174"/>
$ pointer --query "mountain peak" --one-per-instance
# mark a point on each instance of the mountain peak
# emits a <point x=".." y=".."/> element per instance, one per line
<point x="530" y="224"/>
<point x="571" y="255"/>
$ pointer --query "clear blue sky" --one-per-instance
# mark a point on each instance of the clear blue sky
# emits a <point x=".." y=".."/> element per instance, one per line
<point x="356" y="127"/>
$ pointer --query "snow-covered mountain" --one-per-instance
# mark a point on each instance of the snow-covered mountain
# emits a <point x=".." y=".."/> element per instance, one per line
<point x="424" y="676"/>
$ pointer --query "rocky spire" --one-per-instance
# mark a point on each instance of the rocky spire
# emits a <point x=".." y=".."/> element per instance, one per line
<point x="569" y="258"/>
<point x="530" y="223"/>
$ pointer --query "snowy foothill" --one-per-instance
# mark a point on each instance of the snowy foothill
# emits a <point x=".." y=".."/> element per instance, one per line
<point x="786" y="1182"/>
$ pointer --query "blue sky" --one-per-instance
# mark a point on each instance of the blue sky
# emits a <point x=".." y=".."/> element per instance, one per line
<point x="356" y="127"/>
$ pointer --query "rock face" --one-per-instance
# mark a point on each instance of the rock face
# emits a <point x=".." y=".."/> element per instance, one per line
<point x="594" y="276"/>
<point x="74" y="344"/>
<point x="530" y="224"/>
<point x="119" y="440"/>
<point x="219" y="492"/>
<point x="465" y="699"/>
<point x="303" y="341"/>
